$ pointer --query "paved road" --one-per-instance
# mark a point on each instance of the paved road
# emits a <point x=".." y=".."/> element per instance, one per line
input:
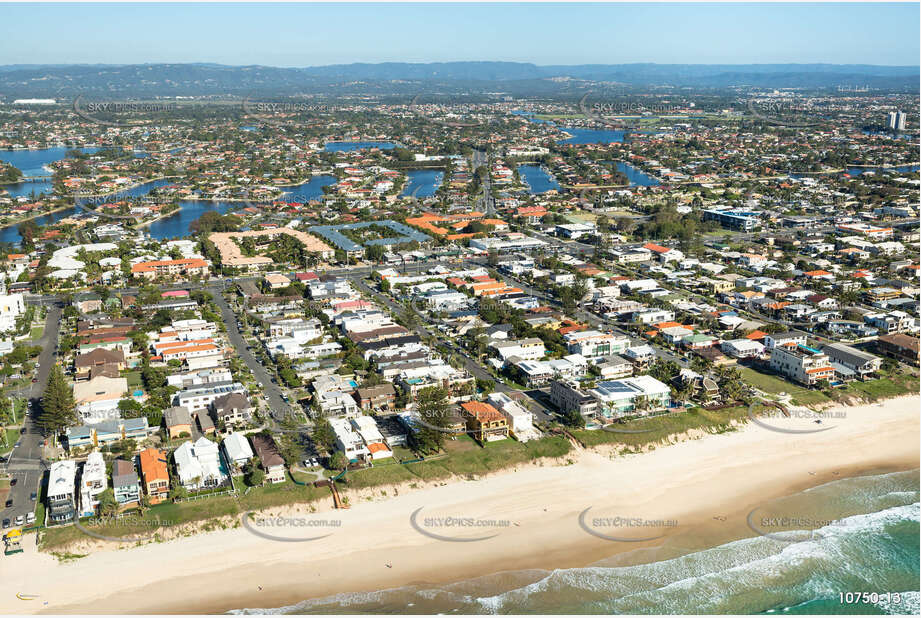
<point x="474" y="368"/>
<point x="26" y="464"/>
<point x="278" y="408"/>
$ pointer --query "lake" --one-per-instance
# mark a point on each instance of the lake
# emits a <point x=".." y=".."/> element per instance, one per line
<point x="310" y="190"/>
<point x="11" y="233"/>
<point x="857" y="171"/>
<point x="177" y="224"/>
<point x="348" y="146"/>
<point x="592" y="136"/>
<point x="537" y="179"/>
<point x="32" y="162"/>
<point x="635" y="176"/>
<point x="422" y="183"/>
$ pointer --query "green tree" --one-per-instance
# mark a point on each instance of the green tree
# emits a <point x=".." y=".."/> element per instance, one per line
<point x="338" y="461"/>
<point x="177" y="490"/>
<point x="253" y="475"/>
<point x="374" y="253"/>
<point x="58" y="408"/>
<point x="323" y="434"/>
<point x="573" y="418"/>
<point x="108" y="505"/>
<point x="432" y="408"/>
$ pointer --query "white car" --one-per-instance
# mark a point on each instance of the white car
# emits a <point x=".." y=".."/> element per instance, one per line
<point x="30" y="519"/>
<point x="311" y="462"/>
<point x="19" y="520"/>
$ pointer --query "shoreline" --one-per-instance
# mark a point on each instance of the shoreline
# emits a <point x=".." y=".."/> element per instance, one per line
<point x="706" y="483"/>
<point x="35" y="216"/>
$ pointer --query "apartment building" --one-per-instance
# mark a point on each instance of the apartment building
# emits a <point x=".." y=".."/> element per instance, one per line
<point x="801" y="363"/>
<point x="566" y="396"/>
<point x="61" y="491"/>
<point x="93" y="481"/>
<point x="594" y="345"/>
<point x="201" y="397"/>
<point x="171" y="268"/>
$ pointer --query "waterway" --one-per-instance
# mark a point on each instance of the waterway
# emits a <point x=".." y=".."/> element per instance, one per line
<point x="537" y="179"/>
<point x="310" y="190"/>
<point x="422" y="183"/>
<point x="349" y="146"/>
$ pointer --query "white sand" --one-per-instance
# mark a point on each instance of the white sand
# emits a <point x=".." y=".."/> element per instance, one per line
<point x="693" y="482"/>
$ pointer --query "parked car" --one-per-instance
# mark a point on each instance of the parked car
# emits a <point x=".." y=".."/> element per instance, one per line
<point x="20" y="520"/>
<point x="13" y="482"/>
<point x="33" y="497"/>
<point x="9" y="503"/>
<point x="6" y="523"/>
<point x="30" y="519"/>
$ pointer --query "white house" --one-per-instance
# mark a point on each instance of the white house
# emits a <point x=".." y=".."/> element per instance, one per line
<point x="93" y="481"/>
<point x="237" y="449"/>
<point x="199" y="464"/>
<point x="11" y="307"/>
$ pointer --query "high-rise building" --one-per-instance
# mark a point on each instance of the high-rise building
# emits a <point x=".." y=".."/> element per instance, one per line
<point x="892" y="119"/>
<point x="897" y="121"/>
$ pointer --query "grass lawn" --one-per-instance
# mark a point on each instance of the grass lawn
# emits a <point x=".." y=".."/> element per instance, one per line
<point x="774" y="385"/>
<point x="874" y="390"/>
<point x="36" y="332"/>
<point x="11" y="436"/>
<point x="134" y="379"/>
<point x="660" y="429"/>
<point x="206" y="511"/>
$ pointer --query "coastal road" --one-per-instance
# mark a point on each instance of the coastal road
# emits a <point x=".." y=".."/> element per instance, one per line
<point x="26" y="464"/>
<point x="277" y="406"/>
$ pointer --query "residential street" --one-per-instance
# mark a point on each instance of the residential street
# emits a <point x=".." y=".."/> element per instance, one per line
<point x="278" y="408"/>
<point x="474" y="368"/>
<point x="26" y="464"/>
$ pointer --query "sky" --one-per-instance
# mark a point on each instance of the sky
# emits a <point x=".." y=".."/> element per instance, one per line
<point x="297" y="35"/>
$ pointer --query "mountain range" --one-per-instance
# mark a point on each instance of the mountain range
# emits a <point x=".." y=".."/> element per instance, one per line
<point x="198" y="79"/>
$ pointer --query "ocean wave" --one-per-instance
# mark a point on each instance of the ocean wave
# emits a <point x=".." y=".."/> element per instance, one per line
<point x="909" y="605"/>
<point x="868" y="551"/>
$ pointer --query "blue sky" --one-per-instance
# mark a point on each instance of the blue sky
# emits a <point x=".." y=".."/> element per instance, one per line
<point x="318" y="34"/>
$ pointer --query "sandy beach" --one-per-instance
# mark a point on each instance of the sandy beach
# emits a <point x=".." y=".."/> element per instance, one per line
<point x="706" y="485"/>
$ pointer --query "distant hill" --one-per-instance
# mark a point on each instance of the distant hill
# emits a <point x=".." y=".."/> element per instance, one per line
<point x="197" y="79"/>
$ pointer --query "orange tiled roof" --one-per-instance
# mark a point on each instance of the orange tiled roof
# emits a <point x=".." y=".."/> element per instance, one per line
<point x="483" y="412"/>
